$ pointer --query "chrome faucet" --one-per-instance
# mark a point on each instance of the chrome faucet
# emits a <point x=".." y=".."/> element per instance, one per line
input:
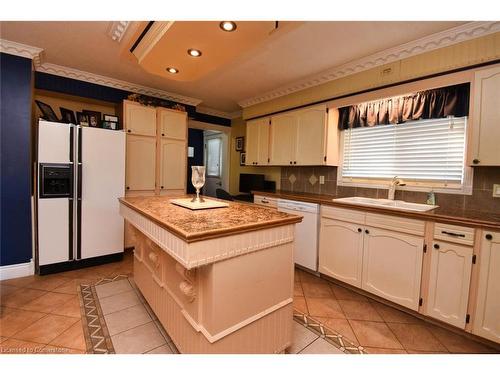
<point x="392" y="187"/>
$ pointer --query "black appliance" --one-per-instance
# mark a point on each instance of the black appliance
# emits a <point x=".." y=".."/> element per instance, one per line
<point x="249" y="182"/>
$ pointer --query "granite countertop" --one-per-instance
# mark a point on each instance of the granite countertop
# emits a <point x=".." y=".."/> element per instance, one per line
<point x="199" y="225"/>
<point x="441" y="214"/>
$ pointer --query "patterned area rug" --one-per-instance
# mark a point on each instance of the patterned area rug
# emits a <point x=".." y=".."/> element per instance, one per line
<point x="98" y="339"/>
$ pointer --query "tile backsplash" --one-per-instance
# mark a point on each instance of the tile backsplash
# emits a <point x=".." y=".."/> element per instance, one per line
<point x="306" y="180"/>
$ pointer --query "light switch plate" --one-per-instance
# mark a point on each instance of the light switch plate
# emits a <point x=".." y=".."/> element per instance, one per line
<point x="496" y="190"/>
<point x="321" y="180"/>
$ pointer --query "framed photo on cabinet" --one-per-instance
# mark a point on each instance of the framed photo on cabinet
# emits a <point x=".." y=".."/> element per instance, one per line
<point x="68" y="115"/>
<point x="243" y="158"/>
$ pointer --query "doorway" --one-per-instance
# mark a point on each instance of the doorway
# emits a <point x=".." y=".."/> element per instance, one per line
<point x="215" y="159"/>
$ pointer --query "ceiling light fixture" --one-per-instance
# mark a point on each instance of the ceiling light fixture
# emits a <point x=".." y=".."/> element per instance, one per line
<point x="194" y="52"/>
<point x="227" y="26"/>
<point x="172" y="70"/>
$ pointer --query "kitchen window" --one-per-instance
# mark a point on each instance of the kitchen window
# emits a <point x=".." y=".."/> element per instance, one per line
<point x="428" y="154"/>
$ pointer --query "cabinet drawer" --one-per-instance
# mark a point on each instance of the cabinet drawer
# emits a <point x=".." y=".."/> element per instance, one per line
<point x="454" y="233"/>
<point x="352" y="216"/>
<point x="262" y="200"/>
<point x="396" y="223"/>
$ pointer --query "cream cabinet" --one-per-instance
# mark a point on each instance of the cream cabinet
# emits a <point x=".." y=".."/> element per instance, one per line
<point x="139" y="119"/>
<point x="140" y="163"/>
<point x="172" y="124"/>
<point x="449" y="282"/>
<point x="283" y="139"/>
<point x="257" y="141"/>
<point x="172" y="164"/>
<point x="341" y="250"/>
<point x="486" y="321"/>
<point x="310" y="139"/>
<point x="392" y="266"/>
<point x="486" y="117"/>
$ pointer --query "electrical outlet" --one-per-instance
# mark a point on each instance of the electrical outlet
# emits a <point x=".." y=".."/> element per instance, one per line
<point x="321" y="180"/>
<point x="496" y="190"/>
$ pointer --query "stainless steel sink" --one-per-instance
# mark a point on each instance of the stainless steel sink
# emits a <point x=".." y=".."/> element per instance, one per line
<point x="387" y="203"/>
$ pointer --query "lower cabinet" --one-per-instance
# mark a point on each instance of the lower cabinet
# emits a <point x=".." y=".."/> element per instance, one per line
<point x="449" y="282"/>
<point x="172" y="164"/>
<point x="341" y="251"/>
<point x="141" y="162"/>
<point x="392" y="266"/>
<point x="487" y="316"/>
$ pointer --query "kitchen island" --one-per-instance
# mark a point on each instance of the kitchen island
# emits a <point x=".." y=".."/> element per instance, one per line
<point x="219" y="280"/>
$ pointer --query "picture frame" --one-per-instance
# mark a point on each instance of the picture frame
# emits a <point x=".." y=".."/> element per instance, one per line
<point x="47" y="111"/>
<point x="67" y="115"/>
<point x="111" y="125"/>
<point x="240" y="144"/>
<point x="82" y="119"/>
<point x="243" y="158"/>
<point x="94" y="118"/>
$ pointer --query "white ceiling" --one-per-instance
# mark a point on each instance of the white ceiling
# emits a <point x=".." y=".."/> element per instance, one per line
<point x="307" y="49"/>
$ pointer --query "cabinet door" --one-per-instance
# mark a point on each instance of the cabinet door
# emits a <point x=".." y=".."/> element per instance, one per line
<point x="140" y="157"/>
<point x="172" y="124"/>
<point x="139" y="119"/>
<point x="486" y="117"/>
<point x="311" y="136"/>
<point x="257" y="142"/>
<point x="487" y="317"/>
<point x="172" y="164"/>
<point x="283" y="135"/>
<point x="341" y="250"/>
<point x="392" y="266"/>
<point x="449" y="283"/>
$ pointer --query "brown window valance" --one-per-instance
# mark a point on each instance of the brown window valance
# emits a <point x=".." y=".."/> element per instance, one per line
<point x="428" y="104"/>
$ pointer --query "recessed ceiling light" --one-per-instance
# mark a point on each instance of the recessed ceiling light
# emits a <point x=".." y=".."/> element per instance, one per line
<point x="227" y="26"/>
<point x="194" y="52"/>
<point x="172" y="70"/>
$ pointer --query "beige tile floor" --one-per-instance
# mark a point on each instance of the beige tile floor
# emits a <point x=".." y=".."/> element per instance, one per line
<point x="375" y="326"/>
<point x="41" y="314"/>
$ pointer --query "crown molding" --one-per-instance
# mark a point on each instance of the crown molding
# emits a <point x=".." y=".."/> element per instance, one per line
<point x="22" y="50"/>
<point x="80" y="75"/>
<point x="442" y="39"/>
<point x="216" y="112"/>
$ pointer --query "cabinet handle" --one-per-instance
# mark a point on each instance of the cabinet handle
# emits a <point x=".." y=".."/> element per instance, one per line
<point x="475" y="161"/>
<point x="264" y="201"/>
<point x="162" y="134"/>
<point x="360" y="230"/>
<point x="367" y="231"/>
<point x="436" y="246"/>
<point x="294" y="162"/>
<point x="453" y="234"/>
<point x="161" y="187"/>
<point x="489" y="236"/>
<point x="128" y="187"/>
<point x="129" y="131"/>
<point x="290" y="162"/>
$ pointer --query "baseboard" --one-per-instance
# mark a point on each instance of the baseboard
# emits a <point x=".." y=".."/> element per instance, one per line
<point x="17" y="270"/>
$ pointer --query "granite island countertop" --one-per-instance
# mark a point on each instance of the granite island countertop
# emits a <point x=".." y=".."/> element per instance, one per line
<point x="456" y="216"/>
<point x="199" y="225"/>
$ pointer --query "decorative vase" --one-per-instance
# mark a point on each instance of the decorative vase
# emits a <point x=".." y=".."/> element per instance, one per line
<point x="198" y="180"/>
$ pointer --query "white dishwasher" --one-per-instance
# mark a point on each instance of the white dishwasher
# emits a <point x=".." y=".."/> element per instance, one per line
<point x="306" y="232"/>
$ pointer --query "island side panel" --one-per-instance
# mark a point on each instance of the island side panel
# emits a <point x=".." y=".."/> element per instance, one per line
<point x="221" y="307"/>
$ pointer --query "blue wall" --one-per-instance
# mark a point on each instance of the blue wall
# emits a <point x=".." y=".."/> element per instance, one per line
<point x="195" y="140"/>
<point x="83" y="89"/>
<point x="15" y="160"/>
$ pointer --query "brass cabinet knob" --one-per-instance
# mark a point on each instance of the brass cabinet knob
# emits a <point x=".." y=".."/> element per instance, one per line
<point x="475" y="161"/>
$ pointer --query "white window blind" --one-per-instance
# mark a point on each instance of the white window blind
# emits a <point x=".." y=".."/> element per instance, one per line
<point x="424" y="150"/>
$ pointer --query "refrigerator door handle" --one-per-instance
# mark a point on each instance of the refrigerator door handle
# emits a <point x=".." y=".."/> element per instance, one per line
<point x="79" y="174"/>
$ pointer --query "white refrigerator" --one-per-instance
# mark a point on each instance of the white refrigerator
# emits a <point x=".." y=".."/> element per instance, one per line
<point x="80" y="176"/>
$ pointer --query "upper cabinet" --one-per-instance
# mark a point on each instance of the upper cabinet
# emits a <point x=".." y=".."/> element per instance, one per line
<point x="139" y="119"/>
<point x="257" y="141"/>
<point x="486" y="117"/>
<point x="306" y="136"/>
<point x="172" y="124"/>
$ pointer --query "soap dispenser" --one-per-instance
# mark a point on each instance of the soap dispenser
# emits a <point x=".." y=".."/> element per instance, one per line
<point x="431" y="198"/>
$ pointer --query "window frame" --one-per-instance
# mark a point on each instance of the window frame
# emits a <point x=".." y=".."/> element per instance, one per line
<point x="465" y="188"/>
